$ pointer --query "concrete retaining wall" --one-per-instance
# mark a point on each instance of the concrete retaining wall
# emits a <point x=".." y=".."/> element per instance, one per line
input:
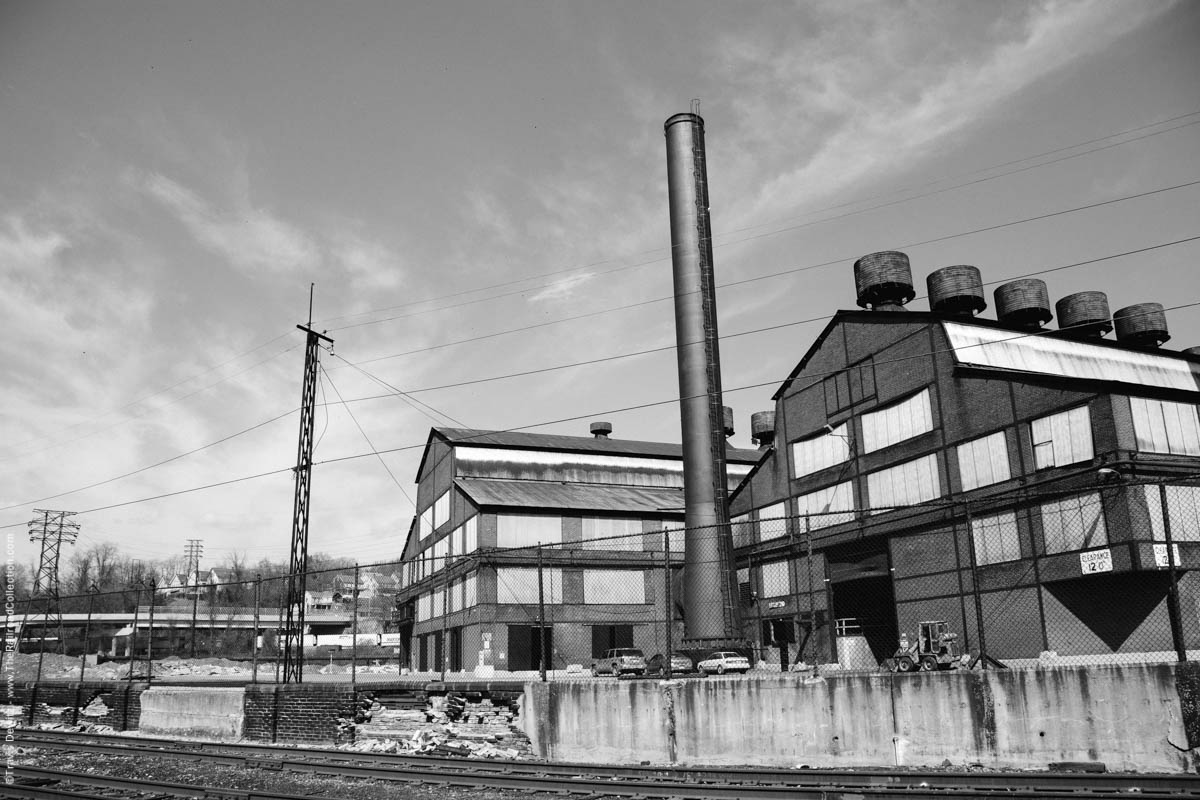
<point x="193" y="712"/>
<point x="1128" y="716"/>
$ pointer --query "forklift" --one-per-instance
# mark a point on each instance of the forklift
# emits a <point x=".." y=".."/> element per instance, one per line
<point x="935" y="648"/>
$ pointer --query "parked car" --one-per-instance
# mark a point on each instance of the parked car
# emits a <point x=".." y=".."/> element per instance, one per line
<point x="619" y="661"/>
<point x="724" y="661"/>
<point x="680" y="664"/>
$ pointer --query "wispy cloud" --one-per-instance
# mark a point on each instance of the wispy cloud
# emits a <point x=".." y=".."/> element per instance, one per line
<point x="252" y="238"/>
<point x="561" y="289"/>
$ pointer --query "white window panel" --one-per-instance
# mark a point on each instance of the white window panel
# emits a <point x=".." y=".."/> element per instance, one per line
<point x="824" y="507"/>
<point x="1165" y="427"/>
<point x="772" y="522"/>
<point x="471" y="590"/>
<point x="438" y="601"/>
<point x="441" y="510"/>
<point x="604" y="533"/>
<point x="1183" y="505"/>
<point x="456" y="593"/>
<point x="742" y="529"/>
<point x="898" y="422"/>
<point x="983" y="461"/>
<point x="996" y="538"/>
<point x="425" y="526"/>
<point x="424" y="607"/>
<point x="775" y="579"/>
<point x="439" y="554"/>
<point x="1061" y="439"/>
<point x="520" y="585"/>
<point x="905" y="484"/>
<point x="518" y="530"/>
<point x="468" y="538"/>
<point x="617" y="586"/>
<point x="819" y="452"/>
<point x="1075" y="523"/>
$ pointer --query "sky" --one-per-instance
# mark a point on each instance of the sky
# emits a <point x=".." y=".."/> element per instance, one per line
<point x="476" y="194"/>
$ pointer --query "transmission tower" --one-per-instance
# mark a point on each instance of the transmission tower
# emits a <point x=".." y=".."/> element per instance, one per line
<point x="293" y="635"/>
<point x="52" y="528"/>
<point x="193" y="551"/>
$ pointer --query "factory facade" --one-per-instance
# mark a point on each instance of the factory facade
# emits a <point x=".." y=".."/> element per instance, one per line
<point x="526" y="544"/>
<point x="1017" y="483"/>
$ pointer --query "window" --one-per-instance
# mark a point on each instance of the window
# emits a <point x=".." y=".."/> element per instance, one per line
<point x="742" y="529"/>
<point x="862" y="380"/>
<point x="824" y="507"/>
<point x="1183" y="508"/>
<point x="441" y="510"/>
<point x="1165" y="427"/>
<point x="904" y="484"/>
<point x="513" y="530"/>
<point x="996" y="538"/>
<point x="772" y="522"/>
<point x="466" y="539"/>
<point x="817" y="453"/>
<point x="424" y="607"/>
<point x="623" y="586"/>
<point x="471" y="590"/>
<point x="1076" y="523"/>
<point x="439" y="555"/>
<point x="520" y="585"/>
<point x="983" y="461"/>
<point x="837" y="392"/>
<point x="1061" y="439"/>
<point x="775" y="582"/>
<point x="896" y="423"/>
<point x="426" y="525"/>
<point x="603" y="533"/>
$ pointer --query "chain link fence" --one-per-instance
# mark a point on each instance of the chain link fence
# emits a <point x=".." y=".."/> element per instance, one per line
<point x="1092" y="577"/>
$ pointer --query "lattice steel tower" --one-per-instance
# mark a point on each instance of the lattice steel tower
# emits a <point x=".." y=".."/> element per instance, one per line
<point x="52" y="528"/>
<point x="293" y="641"/>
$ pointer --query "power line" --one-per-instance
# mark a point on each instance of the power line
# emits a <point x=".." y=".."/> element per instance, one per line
<point x="637" y="407"/>
<point x="740" y="230"/>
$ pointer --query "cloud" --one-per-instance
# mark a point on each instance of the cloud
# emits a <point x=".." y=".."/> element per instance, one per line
<point x="369" y="263"/>
<point x="561" y="289"/>
<point x="21" y="248"/>
<point x="251" y="238"/>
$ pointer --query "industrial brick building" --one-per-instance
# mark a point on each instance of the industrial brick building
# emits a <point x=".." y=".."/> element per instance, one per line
<point x="940" y="466"/>
<point x="589" y="511"/>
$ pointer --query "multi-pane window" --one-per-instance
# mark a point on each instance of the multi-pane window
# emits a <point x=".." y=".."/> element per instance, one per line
<point x="742" y="529"/>
<point x="1165" y="427"/>
<point x="520" y="585"/>
<point x="425" y="526"/>
<point x="621" y="586"/>
<point x="471" y="590"/>
<point x="466" y="537"/>
<point x="439" y="554"/>
<point x="897" y="422"/>
<point x="771" y="521"/>
<point x="904" y="484"/>
<point x="996" y="538"/>
<point x="527" y="530"/>
<point x="1074" y="523"/>
<point x="824" y="507"/>
<point x="1064" y="438"/>
<point x="435" y="516"/>
<point x="817" y="453"/>
<point x="604" y="533"/>
<point x="1183" y="511"/>
<point x="424" y="607"/>
<point x="462" y="592"/>
<point x="775" y="582"/>
<point x="983" y="461"/>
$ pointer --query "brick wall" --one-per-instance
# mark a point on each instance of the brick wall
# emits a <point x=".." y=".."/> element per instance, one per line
<point x="297" y="712"/>
<point x="98" y="703"/>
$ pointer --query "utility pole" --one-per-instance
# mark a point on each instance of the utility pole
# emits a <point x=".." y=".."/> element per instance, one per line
<point x="293" y="647"/>
<point x="193" y="551"/>
<point x="52" y="529"/>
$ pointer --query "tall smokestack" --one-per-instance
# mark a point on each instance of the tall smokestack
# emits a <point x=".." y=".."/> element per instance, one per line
<point x="709" y="578"/>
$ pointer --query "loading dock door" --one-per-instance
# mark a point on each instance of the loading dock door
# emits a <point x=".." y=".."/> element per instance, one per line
<point x="524" y="647"/>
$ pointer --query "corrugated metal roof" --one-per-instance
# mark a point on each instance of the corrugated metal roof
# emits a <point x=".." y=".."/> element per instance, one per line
<point x="572" y="496"/>
<point x="465" y="437"/>
<point x="991" y="348"/>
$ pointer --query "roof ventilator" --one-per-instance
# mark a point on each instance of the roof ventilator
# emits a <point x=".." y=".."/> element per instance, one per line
<point x="883" y="281"/>
<point x="1142" y="325"/>
<point x="956" y="291"/>
<point x="1084" y="315"/>
<point x="1023" y="304"/>
<point x="601" y="430"/>
<point x="762" y="428"/>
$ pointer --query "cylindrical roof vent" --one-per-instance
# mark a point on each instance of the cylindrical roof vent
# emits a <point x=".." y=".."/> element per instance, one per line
<point x="1142" y="325"/>
<point x="762" y="428"/>
<point x="956" y="290"/>
<point x="601" y="430"/>
<point x="883" y="281"/>
<point x="1023" y="303"/>
<point x="728" y="414"/>
<point x="1084" y="315"/>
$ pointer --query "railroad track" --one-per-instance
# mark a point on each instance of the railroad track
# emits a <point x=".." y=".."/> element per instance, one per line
<point x="587" y="779"/>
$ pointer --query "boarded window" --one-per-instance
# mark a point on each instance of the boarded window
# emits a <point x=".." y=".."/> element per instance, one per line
<point x="825" y="450"/>
<point x="983" y="461"/>
<point x="520" y="585"/>
<point x="996" y="538"/>
<point x="527" y="530"/>
<point x="904" y="484"/>
<point x="1075" y="523"/>
<point x="775" y="579"/>
<point x="614" y="586"/>
<point x="824" y="507"/>
<point x="604" y="533"/>
<point x="898" y="422"/>
<point x="1165" y="427"/>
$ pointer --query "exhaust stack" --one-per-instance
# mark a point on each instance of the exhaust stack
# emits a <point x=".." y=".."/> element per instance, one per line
<point x="709" y="577"/>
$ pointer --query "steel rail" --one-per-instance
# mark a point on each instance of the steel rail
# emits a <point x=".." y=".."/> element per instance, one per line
<point x="391" y="766"/>
<point x="40" y="784"/>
